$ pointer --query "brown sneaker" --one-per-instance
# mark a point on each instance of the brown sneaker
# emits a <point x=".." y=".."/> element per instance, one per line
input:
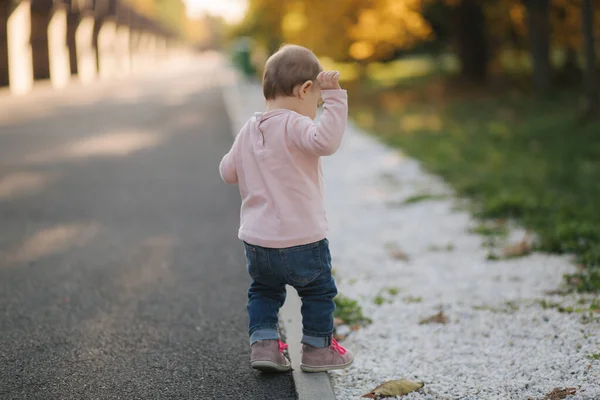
<point x="326" y="359"/>
<point x="267" y="355"/>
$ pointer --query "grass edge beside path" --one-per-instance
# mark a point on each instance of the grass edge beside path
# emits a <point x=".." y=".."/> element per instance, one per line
<point x="516" y="156"/>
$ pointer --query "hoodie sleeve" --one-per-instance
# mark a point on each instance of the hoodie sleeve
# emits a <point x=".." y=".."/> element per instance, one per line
<point x="323" y="138"/>
<point x="227" y="168"/>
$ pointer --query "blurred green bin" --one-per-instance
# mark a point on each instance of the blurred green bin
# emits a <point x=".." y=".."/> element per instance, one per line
<point x="242" y="56"/>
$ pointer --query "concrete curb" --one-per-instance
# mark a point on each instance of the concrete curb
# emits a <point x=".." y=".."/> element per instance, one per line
<point x="308" y="386"/>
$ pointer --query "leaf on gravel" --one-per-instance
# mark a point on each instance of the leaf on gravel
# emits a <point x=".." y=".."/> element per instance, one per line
<point x="555" y="292"/>
<point x="519" y="249"/>
<point x="338" y="337"/>
<point x="399" y="387"/>
<point x="397" y="253"/>
<point x="560" y="394"/>
<point x="412" y="299"/>
<point x="439" y="318"/>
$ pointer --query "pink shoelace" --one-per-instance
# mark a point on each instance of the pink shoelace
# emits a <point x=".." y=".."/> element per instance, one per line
<point x="282" y="346"/>
<point x="337" y="347"/>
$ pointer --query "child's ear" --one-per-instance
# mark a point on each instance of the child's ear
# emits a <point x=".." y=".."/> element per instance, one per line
<point x="305" y="88"/>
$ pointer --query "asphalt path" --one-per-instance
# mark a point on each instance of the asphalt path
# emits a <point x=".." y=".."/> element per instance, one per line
<point x="121" y="276"/>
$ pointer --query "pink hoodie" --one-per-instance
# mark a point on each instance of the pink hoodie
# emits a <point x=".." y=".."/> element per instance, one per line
<point x="275" y="159"/>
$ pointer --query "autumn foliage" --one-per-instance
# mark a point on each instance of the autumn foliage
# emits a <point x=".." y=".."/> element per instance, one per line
<point x="488" y="37"/>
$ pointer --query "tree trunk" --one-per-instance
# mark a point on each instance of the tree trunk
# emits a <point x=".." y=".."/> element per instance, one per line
<point x="362" y="71"/>
<point x="590" y="79"/>
<point x="539" y="36"/>
<point x="570" y="65"/>
<point x="471" y="41"/>
<point x="569" y="73"/>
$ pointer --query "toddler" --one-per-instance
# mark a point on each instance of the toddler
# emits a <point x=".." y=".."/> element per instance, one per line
<point x="275" y="160"/>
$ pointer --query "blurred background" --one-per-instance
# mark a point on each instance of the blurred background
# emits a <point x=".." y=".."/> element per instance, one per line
<point x="500" y="97"/>
<point x="80" y="40"/>
<point x="120" y="269"/>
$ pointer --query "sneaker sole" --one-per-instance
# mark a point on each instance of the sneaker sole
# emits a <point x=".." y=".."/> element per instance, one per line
<point x="270" y="366"/>
<point x="324" y="368"/>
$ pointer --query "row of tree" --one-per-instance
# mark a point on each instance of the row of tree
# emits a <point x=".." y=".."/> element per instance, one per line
<point x="204" y="31"/>
<point x="170" y="13"/>
<point x="479" y="32"/>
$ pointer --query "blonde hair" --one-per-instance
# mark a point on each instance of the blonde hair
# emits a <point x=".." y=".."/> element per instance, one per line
<point x="290" y="66"/>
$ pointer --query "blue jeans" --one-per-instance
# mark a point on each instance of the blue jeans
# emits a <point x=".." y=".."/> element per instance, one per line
<point x="308" y="269"/>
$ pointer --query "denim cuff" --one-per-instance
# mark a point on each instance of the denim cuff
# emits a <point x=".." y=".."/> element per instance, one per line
<point x="263" y="334"/>
<point x="316" y="341"/>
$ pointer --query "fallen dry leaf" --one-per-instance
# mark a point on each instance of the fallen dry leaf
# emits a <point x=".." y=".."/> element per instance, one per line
<point x="395" y="388"/>
<point x="398" y="254"/>
<point x="574" y="281"/>
<point x="339" y="337"/>
<point x="555" y="292"/>
<point x="560" y="394"/>
<point x="524" y="247"/>
<point x="439" y="318"/>
<point x="337" y="321"/>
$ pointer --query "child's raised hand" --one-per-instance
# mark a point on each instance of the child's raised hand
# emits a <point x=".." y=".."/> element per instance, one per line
<point x="329" y="80"/>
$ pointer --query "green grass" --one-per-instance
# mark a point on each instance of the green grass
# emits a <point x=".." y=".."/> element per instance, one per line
<point x="510" y="307"/>
<point x="386" y="74"/>
<point x="566" y="309"/>
<point x="490" y="230"/>
<point x="594" y="356"/>
<point x="448" y="248"/>
<point x="386" y="295"/>
<point x="349" y="311"/>
<point x="547" y="304"/>
<point x="516" y="156"/>
<point x="424" y="197"/>
<point x="412" y="299"/>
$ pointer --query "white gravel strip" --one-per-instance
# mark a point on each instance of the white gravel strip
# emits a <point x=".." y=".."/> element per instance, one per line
<point x="499" y="343"/>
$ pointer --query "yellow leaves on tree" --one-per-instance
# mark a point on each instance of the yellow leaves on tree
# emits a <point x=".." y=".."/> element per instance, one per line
<point x="145" y="7"/>
<point x="321" y="25"/>
<point x="565" y="20"/>
<point x="342" y="30"/>
<point x="361" y="50"/>
<point x="518" y="15"/>
<point x="375" y="30"/>
<point x="511" y="16"/>
<point x="171" y="14"/>
<point x="263" y="22"/>
<point x="387" y="26"/>
<point x="294" y="23"/>
<point x="198" y="31"/>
